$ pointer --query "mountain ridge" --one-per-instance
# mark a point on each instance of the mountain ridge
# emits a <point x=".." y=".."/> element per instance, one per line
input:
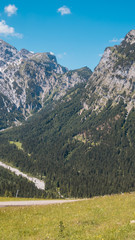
<point x="114" y="76"/>
<point x="28" y="80"/>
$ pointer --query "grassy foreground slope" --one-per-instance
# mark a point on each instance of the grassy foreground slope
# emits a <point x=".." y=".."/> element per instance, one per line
<point x="100" y="218"/>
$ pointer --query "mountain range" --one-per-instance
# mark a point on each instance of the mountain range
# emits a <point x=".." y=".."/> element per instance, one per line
<point x="80" y="128"/>
<point x="29" y="80"/>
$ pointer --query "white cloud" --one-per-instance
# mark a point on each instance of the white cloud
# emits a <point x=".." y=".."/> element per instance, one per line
<point x="8" y="31"/>
<point x="10" y="10"/>
<point x="64" y="10"/>
<point x="61" y="55"/>
<point x="116" y="40"/>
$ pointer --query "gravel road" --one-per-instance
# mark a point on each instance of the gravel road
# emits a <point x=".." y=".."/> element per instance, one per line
<point x="32" y="203"/>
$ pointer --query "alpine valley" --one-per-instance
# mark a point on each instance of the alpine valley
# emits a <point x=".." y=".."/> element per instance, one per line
<point x="76" y="128"/>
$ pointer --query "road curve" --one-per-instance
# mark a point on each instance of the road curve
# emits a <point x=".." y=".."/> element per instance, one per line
<point x="34" y="202"/>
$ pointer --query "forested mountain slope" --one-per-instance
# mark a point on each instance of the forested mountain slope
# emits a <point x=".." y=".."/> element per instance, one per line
<point x="81" y="155"/>
<point x="12" y="186"/>
<point x="83" y="144"/>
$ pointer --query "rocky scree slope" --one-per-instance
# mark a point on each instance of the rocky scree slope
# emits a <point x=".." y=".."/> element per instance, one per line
<point x="114" y="77"/>
<point x="29" y="80"/>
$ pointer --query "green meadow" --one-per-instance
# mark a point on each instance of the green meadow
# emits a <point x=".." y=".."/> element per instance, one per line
<point x="99" y="218"/>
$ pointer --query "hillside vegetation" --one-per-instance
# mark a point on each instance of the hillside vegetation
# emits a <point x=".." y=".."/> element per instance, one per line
<point x="10" y="184"/>
<point x="100" y="218"/>
<point x="78" y="153"/>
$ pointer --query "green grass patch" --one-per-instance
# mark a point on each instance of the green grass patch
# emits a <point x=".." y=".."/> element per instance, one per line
<point x="100" y="218"/>
<point x="18" y="145"/>
<point x="81" y="138"/>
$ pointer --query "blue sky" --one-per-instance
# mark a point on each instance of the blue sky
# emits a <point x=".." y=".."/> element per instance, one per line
<point x="77" y="32"/>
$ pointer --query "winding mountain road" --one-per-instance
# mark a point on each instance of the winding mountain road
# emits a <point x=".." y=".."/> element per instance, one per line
<point x="35" y="202"/>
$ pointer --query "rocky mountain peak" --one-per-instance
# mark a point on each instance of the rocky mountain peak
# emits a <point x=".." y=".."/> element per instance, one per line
<point x="3" y="43"/>
<point x="29" y="80"/>
<point x="24" y="53"/>
<point x="114" y="77"/>
<point x="45" y="57"/>
<point x="6" y="51"/>
<point x="130" y="37"/>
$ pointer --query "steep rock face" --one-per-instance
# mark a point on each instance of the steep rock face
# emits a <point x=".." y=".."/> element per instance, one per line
<point x="28" y="80"/>
<point x="114" y="77"/>
<point x="7" y="52"/>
